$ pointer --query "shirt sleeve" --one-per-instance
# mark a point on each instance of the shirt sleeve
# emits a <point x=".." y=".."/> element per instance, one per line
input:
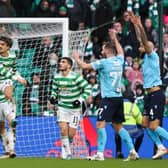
<point x="97" y="64"/>
<point x="6" y="73"/>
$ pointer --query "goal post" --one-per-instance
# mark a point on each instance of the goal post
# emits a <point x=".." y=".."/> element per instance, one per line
<point x="37" y="134"/>
<point x="61" y="25"/>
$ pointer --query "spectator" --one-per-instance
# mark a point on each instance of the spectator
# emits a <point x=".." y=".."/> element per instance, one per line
<point x="22" y="7"/>
<point x="47" y="74"/>
<point x="133" y="122"/>
<point x="115" y="7"/>
<point x="53" y="9"/>
<point x="151" y="33"/>
<point x="166" y="103"/>
<point x="130" y="35"/>
<point x="103" y="15"/>
<point x="62" y="11"/>
<point x="134" y="73"/>
<point x="139" y="97"/>
<point x="117" y="26"/>
<point x="47" y="45"/>
<point x="128" y="62"/>
<point x="30" y="98"/>
<point x="6" y="9"/>
<point x="42" y="10"/>
<point x="77" y="13"/>
<point x="165" y="51"/>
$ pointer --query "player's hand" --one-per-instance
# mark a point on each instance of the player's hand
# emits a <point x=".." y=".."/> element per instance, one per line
<point x="22" y="80"/>
<point x="112" y="34"/>
<point x="53" y="100"/>
<point x="50" y="106"/>
<point x="75" y="55"/>
<point x="76" y="103"/>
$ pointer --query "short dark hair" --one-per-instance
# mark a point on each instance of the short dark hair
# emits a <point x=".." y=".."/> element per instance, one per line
<point x="7" y="40"/>
<point x="69" y="60"/>
<point x="110" y="46"/>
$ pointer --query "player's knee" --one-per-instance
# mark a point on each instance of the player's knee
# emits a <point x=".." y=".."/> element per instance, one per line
<point x="8" y="96"/>
<point x="8" y="92"/>
<point x="63" y="131"/>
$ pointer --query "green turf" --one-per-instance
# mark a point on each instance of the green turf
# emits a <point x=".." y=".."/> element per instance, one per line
<point x="58" y="163"/>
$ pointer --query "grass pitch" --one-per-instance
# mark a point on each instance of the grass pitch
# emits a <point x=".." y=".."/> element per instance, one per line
<point x="77" y="163"/>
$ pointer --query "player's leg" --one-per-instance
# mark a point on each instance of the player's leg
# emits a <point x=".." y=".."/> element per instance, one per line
<point x="161" y="148"/>
<point x="101" y="141"/>
<point x="3" y="132"/>
<point x="103" y="115"/>
<point x="118" y="146"/>
<point x="138" y="142"/>
<point x="117" y="119"/>
<point x="155" y="138"/>
<point x="63" y="121"/>
<point x="66" y="152"/>
<point x="10" y="115"/>
<point x="152" y="135"/>
<point x="155" y="116"/>
<point x="73" y="124"/>
<point x="12" y="130"/>
<point x="127" y="139"/>
<point x="8" y="90"/>
<point x="74" y="121"/>
<point x="102" y="138"/>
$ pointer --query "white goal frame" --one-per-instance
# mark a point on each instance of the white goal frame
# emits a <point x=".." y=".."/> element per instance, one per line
<point x="63" y="21"/>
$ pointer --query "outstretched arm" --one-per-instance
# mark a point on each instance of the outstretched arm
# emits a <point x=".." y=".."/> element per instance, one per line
<point x="81" y="64"/>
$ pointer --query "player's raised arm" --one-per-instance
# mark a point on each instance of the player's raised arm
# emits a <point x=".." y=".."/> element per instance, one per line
<point x="114" y="39"/>
<point x="141" y="35"/>
<point x="80" y="63"/>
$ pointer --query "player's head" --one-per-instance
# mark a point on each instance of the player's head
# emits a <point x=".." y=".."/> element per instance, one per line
<point x="108" y="49"/>
<point x="65" y="63"/>
<point x="151" y="45"/>
<point x="5" y="44"/>
<point x="53" y="58"/>
<point x="7" y="40"/>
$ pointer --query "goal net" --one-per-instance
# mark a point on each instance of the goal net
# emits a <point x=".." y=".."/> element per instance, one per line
<point x="36" y="41"/>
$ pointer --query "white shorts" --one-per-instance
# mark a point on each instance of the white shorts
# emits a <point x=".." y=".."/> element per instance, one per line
<point x="68" y="115"/>
<point x="5" y="83"/>
<point x="6" y="110"/>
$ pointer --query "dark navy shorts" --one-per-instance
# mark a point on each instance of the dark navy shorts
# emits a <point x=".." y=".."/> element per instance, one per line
<point x="154" y="105"/>
<point x="111" y="110"/>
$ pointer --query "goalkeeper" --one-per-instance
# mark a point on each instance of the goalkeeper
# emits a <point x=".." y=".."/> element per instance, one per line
<point x="69" y="90"/>
<point x="8" y="74"/>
